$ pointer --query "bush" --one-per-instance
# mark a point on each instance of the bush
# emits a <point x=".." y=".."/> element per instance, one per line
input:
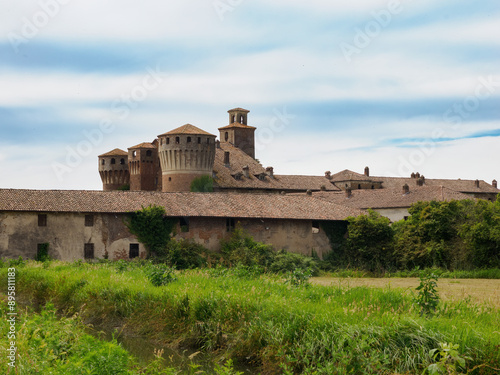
<point x="289" y="262"/>
<point x="185" y="254"/>
<point x="160" y="274"/>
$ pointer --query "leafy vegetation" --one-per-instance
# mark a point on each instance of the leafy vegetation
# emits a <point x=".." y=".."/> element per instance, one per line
<point x="267" y="322"/>
<point x="427" y="298"/>
<point x="152" y="228"/>
<point x="202" y="184"/>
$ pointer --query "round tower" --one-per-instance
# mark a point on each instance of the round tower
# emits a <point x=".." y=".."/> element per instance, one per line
<point x="143" y="166"/>
<point x="185" y="153"/>
<point x="113" y="169"/>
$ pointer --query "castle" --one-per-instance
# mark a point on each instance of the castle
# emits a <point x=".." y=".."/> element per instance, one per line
<point x="283" y="210"/>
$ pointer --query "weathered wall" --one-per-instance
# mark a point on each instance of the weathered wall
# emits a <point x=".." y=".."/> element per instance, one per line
<point x="394" y="214"/>
<point x="66" y="234"/>
<point x="292" y="235"/>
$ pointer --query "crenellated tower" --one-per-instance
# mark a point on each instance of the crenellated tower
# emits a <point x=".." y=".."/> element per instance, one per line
<point x="185" y="153"/>
<point x="238" y="133"/>
<point x="143" y="167"/>
<point x="113" y="169"/>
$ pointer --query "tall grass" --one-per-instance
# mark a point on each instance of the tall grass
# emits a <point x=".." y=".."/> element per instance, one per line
<point x="264" y="321"/>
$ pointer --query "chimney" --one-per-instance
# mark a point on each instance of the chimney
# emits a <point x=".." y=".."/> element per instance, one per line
<point x="246" y="171"/>
<point x="328" y="175"/>
<point x="476" y="183"/>
<point x="412" y="175"/>
<point x="420" y="181"/>
<point x="226" y="159"/>
<point x="367" y="172"/>
<point x="348" y="193"/>
<point x="417" y="175"/>
<point x="309" y="192"/>
<point x="406" y="189"/>
<point x="494" y="183"/>
<point x="270" y="171"/>
<point x="217" y="144"/>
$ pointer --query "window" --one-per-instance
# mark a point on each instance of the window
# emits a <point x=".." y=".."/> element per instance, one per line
<point x="133" y="250"/>
<point x="113" y="161"/>
<point x="229" y="225"/>
<point x="199" y="140"/>
<point x="167" y="141"/>
<point x="177" y="140"/>
<point x="232" y="119"/>
<point x="208" y="141"/>
<point x="189" y="139"/>
<point x="122" y="161"/>
<point x="373" y="186"/>
<point x="103" y="162"/>
<point x="359" y="186"/>
<point x="149" y="153"/>
<point x="88" y="251"/>
<point x="42" y="220"/>
<point x="226" y="136"/>
<point x="170" y="179"/>
<point x="89" y="220"/>
<point x="184" y="223"/>
<point x="134" y="154"/>
<point x="315" y="226"/>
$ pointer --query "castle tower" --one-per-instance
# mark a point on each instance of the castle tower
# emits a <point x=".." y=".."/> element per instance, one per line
<point x="185" y="153"/>
<point x="238" y="133"/>
<point x="143" y="167"/>
<point x="113" y="169"/>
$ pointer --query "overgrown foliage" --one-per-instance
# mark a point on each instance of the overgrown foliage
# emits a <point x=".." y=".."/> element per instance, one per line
<point x="427" y="298"/>
<point x="454" y="235"/>
<point x="152" y="228"/>
<point x="202" y="184"/>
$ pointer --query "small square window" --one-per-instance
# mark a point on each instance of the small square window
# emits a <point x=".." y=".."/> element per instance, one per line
<point x="89" y="220"/>
<point x="133" y="250"/>
<point x="42" y="220"/>
<point x="88" y="251"/>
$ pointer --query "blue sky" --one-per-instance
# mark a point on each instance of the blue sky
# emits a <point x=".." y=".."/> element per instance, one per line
<point x="399" y="85"/>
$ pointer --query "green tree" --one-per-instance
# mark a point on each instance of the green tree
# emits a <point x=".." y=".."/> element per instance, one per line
<point x="202" y="184"/>
<point x="152" y="228"/>
<point x="369" y="242"/>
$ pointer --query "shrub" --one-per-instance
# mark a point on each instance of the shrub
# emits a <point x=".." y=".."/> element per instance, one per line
<point x="160" y="274"/>
<point x="185" y="254"/>
<point x="288" y="262"/>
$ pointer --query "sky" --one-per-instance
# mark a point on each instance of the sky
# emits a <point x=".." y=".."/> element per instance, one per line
<point x="400" y="86"/>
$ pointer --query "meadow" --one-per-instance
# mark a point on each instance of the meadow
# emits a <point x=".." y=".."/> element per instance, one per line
<point x="267" y="321"/>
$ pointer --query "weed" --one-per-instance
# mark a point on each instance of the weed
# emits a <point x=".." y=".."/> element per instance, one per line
<point x="160" y="274"/>
<point x="427" y="298"/>
<point x="448" y="360"/>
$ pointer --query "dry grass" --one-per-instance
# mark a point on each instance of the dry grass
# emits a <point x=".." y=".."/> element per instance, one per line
<point x="478" y="290"/>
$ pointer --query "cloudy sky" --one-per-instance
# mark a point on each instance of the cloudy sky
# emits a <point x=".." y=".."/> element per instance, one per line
<point x="396" y="85"/>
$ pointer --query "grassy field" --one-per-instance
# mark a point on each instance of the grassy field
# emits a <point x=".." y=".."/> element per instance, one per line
<point x="473" y="290"/>
<point x="264" y="320"/>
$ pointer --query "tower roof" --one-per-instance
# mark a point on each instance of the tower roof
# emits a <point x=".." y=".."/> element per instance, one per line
<point x="143" y="145"/>
<point x="115" y="152"/>
<point x="187" y="129"/>
<point x="237" y="125"/>
<point x="238" y="110"/>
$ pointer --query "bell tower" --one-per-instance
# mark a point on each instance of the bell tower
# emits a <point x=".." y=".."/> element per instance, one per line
<point x="238" y="132"/>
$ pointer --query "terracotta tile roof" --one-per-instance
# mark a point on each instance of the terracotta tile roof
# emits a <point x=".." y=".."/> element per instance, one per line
<point x="238" y="159"/>
<point x="347" y="175"/>
<point x="391" y="198"/>
<point x="187" y="129"/>
<point x="464" y="186"/>
<point x="115" y="152"/>
<point x="263" y="206"/>
<point x="239" y="110"/>
<point x="143" y="145"/>
<point x="237" y="125"/>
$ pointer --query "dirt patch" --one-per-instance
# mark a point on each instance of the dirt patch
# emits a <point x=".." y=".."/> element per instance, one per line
<point x="478" y="290"/>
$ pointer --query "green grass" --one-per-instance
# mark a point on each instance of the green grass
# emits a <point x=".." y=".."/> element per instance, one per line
<point x="492" y="273"/>
<point x="263" y="320"/>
